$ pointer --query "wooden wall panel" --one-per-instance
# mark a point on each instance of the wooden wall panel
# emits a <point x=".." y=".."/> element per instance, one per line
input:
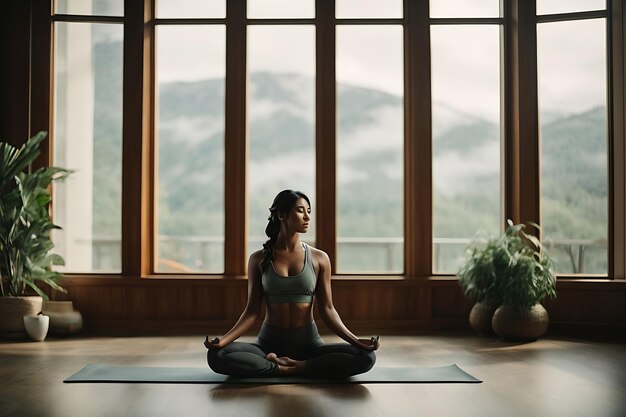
<point x="574" y="306"/>
<point x="373" y="303"/>
<point x="14" y="78"/>
<point x="449" y="303"/>
<point x="171" y="306"/>
<point x="612" y="307"/>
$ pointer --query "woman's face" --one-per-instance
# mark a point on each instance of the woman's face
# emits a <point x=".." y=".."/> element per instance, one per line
<point x="299" y="217"/>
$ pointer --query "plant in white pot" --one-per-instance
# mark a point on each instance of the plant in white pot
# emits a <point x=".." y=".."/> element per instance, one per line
<point x="25" y="227"/>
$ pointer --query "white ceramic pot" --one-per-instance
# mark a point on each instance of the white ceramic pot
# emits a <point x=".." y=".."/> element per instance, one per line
<point x="37" y="326"/>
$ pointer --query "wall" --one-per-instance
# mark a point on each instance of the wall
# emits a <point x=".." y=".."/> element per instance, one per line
<point x="396" y="305"/>
<point x="211" y="305"/>
<point x="14" y="71"/>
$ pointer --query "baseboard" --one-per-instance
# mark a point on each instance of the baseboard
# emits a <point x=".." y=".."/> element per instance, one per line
<point x="359" y="327"/>
<point x="603" y="331"/>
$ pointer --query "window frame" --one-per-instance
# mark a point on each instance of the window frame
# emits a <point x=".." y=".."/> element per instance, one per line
<point x="521" y="153"/>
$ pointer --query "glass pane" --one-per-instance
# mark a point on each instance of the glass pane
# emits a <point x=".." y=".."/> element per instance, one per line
<point x="464" y="8"/>
<point x="573" y="122"/>
<point x="190" y="154"/>
<point x="90" y="7"/>
<point x="281" y="121"/>
<point x="368" y="8"/>
<point x="88" y="139"/>
<point x="565" y="6"/>
<point x="370" y="130"/>
<point x="466" y="139"/>
<point x="281" y="9"/>
<point x="190" y="8"/>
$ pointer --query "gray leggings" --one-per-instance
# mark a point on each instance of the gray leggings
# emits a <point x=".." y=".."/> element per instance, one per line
<point x="333" y="360"/>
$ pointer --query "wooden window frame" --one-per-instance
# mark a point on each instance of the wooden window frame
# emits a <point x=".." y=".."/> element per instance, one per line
<point x="520" y="129"/>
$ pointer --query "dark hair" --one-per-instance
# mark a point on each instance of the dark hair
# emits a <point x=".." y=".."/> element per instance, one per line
<point x="283" y="203"/>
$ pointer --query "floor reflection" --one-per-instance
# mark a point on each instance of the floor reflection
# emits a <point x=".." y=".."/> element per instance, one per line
<point x="293" y="399"/>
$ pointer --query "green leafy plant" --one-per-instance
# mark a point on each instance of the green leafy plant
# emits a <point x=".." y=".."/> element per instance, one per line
<point x="512" y="269"/>
<point x="25" y="220"/>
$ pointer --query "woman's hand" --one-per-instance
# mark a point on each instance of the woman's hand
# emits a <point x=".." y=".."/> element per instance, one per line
<point x="372" y="343"/>
<point x="213" y="343"/>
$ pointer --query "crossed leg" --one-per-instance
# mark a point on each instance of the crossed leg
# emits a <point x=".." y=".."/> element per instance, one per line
<point x="241" y="359"/>
<point x="335" y="360"/>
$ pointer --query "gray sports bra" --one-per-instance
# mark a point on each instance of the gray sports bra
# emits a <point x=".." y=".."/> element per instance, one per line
<point x="298" y="288"/>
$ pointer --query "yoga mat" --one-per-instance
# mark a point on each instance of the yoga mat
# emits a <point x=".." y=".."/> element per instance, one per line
<point x="378" y="375"/>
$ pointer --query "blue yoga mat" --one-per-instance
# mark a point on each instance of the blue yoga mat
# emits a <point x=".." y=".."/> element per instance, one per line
<point x="378" y="375"/>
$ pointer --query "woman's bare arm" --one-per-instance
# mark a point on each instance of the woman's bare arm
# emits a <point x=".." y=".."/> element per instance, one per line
<point x="327" y="310"/>
<point x="253" y="308"/>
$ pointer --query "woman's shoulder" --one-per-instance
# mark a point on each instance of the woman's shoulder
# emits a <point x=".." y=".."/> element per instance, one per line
<point x="256" y="255"/>
<point x="318" y="254"/>
<point x="255" y="258"/>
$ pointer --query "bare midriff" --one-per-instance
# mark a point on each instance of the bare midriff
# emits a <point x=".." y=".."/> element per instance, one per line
<point x="288" y="315"/>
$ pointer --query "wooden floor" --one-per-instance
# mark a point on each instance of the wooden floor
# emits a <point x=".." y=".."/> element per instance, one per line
<point x="551" y="377"/>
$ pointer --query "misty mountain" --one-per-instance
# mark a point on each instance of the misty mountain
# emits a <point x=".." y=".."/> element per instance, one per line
<point x="281" y="129"/>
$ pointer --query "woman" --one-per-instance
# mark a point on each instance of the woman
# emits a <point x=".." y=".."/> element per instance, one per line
<point x="289" y="274"/>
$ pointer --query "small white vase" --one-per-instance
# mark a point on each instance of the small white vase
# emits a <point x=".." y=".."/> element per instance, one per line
<point x="37" y="326"/>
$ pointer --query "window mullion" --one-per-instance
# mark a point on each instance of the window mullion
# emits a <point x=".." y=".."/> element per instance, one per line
<point x="325" y="132"/>
<point x="521" y="141"/>
<point x="617" y="141"/>
<point x="235" y="152"/>
<point x="418" y="227"/>
<point x="137" y="160"/>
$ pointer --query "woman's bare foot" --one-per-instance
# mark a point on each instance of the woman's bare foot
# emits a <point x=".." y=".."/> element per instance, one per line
<point x="283" y="360"/>
<point x="286" y="365"/>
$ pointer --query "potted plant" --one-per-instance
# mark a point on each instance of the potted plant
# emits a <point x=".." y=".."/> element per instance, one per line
<point x="528" y="279"/>
<point x="25" y="234"/>
<point x="477" y="279"/>
<point x="511" y="274"/>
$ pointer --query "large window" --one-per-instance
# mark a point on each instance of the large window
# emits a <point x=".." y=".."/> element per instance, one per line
<point x="87" y="135"/>
<point x="398" y="118"/>
<point x="466" y="97"/>
<point x="572" y="68"/>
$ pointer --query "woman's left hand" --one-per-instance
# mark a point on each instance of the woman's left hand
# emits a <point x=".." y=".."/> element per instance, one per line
<point x="372" y="343"/>
<point x="212" y="344"/>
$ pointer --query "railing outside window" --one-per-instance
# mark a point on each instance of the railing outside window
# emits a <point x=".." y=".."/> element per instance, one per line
<point x="199" y="251"/>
